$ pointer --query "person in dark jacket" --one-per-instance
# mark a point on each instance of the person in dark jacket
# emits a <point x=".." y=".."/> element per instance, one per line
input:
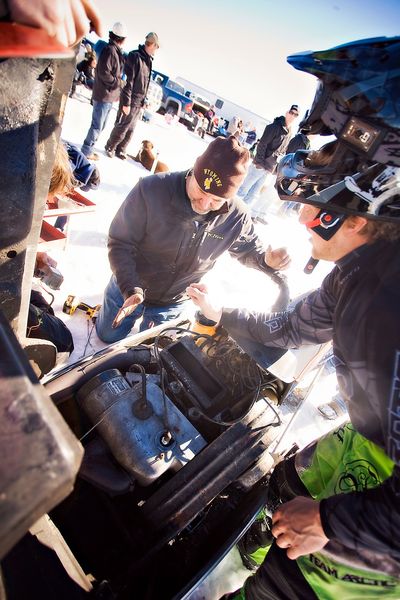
<point x="170" y="230"/>
<point x="106" y="87"/>
<point x="210" y="114"/>
<point x="42" y="322"/>
<point x="251" y="136"/>
<point x="301" y="141"/>
<point x="84" y="73"/>
<point x="138" y="67"/>
<point x="335" y="505"/>
<point x="88" y="68"/>
<point x="270" y="148"/>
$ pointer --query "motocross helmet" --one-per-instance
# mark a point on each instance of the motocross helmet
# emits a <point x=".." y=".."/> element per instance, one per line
<point x="358" y="101"/>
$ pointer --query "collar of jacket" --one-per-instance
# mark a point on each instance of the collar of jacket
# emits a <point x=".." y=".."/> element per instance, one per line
<point x="119" y="49"/>
<point x="281" y="121"/>
<point x="362" y="255"/>
<point x="145" y="55"/>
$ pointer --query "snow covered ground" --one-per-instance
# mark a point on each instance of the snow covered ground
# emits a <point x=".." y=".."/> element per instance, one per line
<point x="85" y="266"/>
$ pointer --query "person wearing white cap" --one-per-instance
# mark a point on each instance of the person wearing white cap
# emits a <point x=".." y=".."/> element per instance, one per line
<point x="106" y="87"/>
<point x="138" y="67"/>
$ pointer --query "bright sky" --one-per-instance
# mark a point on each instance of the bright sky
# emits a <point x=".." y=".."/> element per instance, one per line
<point x="239" y="49"/>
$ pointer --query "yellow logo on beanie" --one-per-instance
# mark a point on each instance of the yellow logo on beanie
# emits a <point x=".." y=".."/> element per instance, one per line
<point x="212" y="178"/>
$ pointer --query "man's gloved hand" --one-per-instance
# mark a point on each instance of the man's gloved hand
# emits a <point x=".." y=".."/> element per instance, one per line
<point x="198" y="292"/>
<point x="277" y="259"/>
<point x="127" y="308"/>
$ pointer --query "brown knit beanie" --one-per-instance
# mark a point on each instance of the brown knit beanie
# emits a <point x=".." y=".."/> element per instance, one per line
<point x="222" y="167"/>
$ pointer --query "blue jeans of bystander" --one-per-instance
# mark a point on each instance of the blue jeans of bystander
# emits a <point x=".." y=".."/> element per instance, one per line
<point x="251" y="186"/>
<point x="101" y="110"/>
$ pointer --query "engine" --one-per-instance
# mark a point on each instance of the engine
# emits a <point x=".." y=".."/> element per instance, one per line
<point x="176" y="428"/>
<point x="178" y="396"/>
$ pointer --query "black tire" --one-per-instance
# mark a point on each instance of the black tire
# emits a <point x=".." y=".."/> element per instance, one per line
<point x="171" y="110"/>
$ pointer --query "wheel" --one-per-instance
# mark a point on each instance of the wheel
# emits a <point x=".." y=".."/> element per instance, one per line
<point x="171" y="110"/>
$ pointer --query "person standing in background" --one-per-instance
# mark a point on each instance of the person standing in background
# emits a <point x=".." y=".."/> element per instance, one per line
<point x="210" y="114"/>
<point x="251" y="136"/>
<point x="138" y="71"/>
<point x="301" y="141"/>
<point x="106" y="87"/>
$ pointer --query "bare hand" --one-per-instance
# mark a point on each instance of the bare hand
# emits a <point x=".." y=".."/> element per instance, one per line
<point x="296" y="525"/>
<point x="127" y="308"/>
<point x="126" y="110"/>
<point x="66" y="20"/>
<point x="43" y="259"/>
<point x="277" y="259"/>
<point x="198" y="292"/>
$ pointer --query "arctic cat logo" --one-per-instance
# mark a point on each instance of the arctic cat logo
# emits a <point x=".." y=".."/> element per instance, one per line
<point x="358" y="475"/>
<point x="341" y="432"/>
<point x="212" y="177"/>
<point x="351" y="577"/>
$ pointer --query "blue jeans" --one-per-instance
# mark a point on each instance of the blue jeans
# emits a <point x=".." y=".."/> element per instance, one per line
<point x="251" y="186"/>
<point x="101" y="110"/>
<point x="288" y="207"/>
<point x="113" y="301"/>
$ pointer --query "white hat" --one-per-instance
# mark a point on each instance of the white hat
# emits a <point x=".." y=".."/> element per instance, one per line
<point x="119" y="30"/>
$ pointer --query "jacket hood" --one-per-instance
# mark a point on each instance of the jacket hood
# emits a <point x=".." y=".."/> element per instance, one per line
<point x="282" y="122"/>
<point x="144" y="54"/>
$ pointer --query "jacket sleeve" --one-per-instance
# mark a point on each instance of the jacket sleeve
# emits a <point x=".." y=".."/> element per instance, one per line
<point x="131" y="70"/>
<point x="371" y="519"/>
<point x="108" y="69"/>
<point x="263" y="148"/>
<point x="82" y="168"/>
<point x="127" y="230"/>
<point x="368" y="520"/>
<point x="310" y="322"/>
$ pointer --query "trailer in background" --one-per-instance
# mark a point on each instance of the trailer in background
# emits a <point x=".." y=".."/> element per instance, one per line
<point x="225" y="108"/>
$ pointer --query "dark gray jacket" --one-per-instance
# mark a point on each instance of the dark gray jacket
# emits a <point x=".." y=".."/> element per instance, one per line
<point x="272" y="145"/>
<point x="138" y="71"/>
<point x="159" y="245"/>
<point x="299" y="142"/>
<point x="107" y="81"/>
<point x="357" y="307"/>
